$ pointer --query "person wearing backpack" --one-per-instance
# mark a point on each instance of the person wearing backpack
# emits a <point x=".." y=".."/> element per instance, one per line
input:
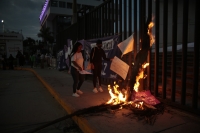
<point x="97" y="53"/>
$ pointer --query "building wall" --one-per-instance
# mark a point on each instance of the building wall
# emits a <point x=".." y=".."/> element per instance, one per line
<point x="56" y="9"/>
<point x="10" y="43"/>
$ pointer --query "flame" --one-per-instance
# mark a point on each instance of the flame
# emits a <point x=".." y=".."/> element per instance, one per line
<point x="121" y="96"/>
<point x="152" y="38"/>
<point x="139" y="105"/>
<point x="140" y="75"/>
<point x="116" y="96"/>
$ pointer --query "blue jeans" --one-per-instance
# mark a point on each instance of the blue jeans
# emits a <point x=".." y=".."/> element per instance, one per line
<point x="78" y="79"/>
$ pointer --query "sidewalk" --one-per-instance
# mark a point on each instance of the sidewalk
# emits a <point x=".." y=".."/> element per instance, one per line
<point x="59" y="84"/>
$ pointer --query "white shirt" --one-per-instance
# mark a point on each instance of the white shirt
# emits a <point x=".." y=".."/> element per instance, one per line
<point x="78" y="58"/>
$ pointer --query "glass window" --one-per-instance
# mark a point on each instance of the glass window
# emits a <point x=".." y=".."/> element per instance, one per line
<point x="69" y="5"/>
<point x="54" y="3"/>
<point x="62" y="4"/>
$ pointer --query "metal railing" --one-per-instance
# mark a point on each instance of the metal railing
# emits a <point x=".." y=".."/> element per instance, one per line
<point x="176" y="24"/>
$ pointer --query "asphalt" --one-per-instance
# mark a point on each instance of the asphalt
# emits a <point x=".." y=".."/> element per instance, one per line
<point x="59" y="84"/>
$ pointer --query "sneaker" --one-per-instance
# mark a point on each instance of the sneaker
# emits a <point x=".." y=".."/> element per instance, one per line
<point x="75" y="95"/>
<point x="95" y="90"/>
<point x="100" y="89"/>
<point x="79" y="92"/>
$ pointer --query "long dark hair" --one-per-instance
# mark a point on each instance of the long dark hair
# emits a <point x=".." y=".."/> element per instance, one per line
<point x="75" y="48"/>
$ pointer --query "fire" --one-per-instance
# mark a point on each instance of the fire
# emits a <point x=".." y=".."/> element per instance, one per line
<point x="139" y="105"/>
<point x="140" y="75"/>
<point x="116" y="96"/>
<point x="120" y="96"/>
<point x="152" y="38"/>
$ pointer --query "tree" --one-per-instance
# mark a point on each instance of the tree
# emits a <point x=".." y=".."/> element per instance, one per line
<point x="47" y="36"/>
<point x="28" y="42"/>
<point x="29" y="45"/>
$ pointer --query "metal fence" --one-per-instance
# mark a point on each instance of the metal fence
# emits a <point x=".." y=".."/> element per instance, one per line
<point x="174" y="72"/>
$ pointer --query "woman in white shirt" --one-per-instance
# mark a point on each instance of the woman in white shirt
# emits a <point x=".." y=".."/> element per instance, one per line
<point x="76" y="66"/>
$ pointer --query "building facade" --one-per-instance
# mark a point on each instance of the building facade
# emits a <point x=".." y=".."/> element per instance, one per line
<point x="10" y="43"/>
<point x="57" y="14"/>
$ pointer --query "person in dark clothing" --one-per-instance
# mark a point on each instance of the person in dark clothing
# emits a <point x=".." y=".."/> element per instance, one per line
<point x="96" y="55"/>
<point x="20" y="58"/>
<point x="4" y="61"/>
<point x="11" y="58"/>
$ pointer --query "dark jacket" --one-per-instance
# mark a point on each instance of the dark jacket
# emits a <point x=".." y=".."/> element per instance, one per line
<point x="97" y="54"/>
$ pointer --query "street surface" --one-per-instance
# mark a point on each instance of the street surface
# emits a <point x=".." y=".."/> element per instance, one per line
<point x="26" y="104"/>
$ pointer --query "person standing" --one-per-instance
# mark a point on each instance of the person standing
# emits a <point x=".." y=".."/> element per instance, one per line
<point x="42" y="61"/>
<point x="76" y="66"/>
<point x="96" y="55"/>
<point x="4" y="61"/>
<point x="11" y="58"/>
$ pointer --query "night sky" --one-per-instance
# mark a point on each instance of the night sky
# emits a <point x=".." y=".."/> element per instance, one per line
<point x="21" y="15"/>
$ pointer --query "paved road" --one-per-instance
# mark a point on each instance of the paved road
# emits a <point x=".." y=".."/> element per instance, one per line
<point x="26" y="104"/>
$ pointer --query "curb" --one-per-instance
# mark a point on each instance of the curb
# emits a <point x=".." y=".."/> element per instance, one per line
<point x="81" y="122"/>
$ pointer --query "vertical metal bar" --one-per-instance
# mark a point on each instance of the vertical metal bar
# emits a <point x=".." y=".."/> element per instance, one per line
<point x="103" y="20"/>
<point x="125" y="19"/>
<point x="184" y="51"/>
<point x="116" y="16"/>
<point x="106" y="19"/>
<point x="156" y="68"/>
<point x="113" y="17"/>
<point x="120" y="19"/>
<point x="101" y="25"/>
<point x="130" y="18"/>
<point x="109" y="18"/>
<point x="174" y="49"/>
<point x="140" y="23"/>
<point x="95" y="26"/>
<point x="99" y="22"/>
<point x="86" y="23"/>
<point x="130" y="33"/>
<point x="196" y="56"/>
<point x="149" y="53"/>
<point x="164" y="57"/>
<point x="135" y="28"/>
<point x="92" y="24"/>
<point x="142" y="6"/>
<point x="89" y="23"/>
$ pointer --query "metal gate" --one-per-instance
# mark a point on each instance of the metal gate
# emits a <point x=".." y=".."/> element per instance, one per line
<point x="174" y="58"/>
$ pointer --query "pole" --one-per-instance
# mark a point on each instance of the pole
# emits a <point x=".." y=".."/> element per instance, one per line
<point x="3" y="24"/>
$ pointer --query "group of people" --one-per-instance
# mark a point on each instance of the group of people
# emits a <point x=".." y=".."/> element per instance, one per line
<point x="10" y="60"/>
<point x="77" y="65"/>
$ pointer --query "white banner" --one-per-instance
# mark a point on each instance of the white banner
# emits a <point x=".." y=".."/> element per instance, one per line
<point x="119" y="67"/>
<point x="127" y="45"/>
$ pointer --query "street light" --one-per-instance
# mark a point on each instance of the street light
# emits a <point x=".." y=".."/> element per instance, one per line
<point x="3" y="24"/>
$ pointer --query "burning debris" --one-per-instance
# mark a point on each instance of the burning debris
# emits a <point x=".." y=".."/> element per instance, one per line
<point x="142" y="103"/>
<point x="143" y="106"/>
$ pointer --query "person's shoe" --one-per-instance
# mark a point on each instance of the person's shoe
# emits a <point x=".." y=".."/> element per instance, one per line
<point x="75" y="95"/>
<point x="79" y="92"/>
<point x="100" y="89"/>
<point x="95" y="90"/>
